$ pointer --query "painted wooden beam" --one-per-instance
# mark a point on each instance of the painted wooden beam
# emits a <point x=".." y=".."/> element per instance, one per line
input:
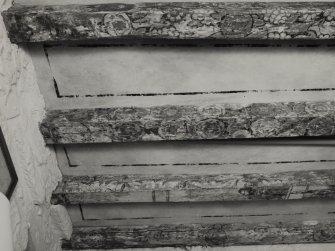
<point x="211" y="20"/>
<point x="189" y="122"/>
<point x="219" y="234"/>
<point x="188" y="187"/>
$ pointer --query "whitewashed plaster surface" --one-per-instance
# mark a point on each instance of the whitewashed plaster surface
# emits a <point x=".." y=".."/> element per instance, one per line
<point x="36" y="224"/>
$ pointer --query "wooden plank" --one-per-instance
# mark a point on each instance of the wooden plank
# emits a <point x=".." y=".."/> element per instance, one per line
<point x="43" y="74"/>
<point x="209" y="212"/>
<point x="75" y="213"/>
<point x="253" y="213"/>
<point x="206" y="153"/>
<point x="187" y="20"/>
<point x="93" y="77"/>
<point x="96" y="72"/>
<point x="187" y="188"/>
<point x="198" y="169"/>
<point x="278" y="247"/>
<point x="196" y="157"/>
<point x="189" y="122"/>
<point x="62" y="158"/>
<point x="88" y="2"/>
<point x="219" y="234"/>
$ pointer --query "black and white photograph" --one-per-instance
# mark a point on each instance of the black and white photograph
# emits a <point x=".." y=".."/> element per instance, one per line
<point x="162" y="125"/>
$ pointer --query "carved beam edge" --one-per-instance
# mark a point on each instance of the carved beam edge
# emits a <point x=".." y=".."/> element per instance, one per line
<point x="206" y="20"/>
<point x="219" y="234"/>
<point x="192" y="188"/>
<point x="189" y="122"/>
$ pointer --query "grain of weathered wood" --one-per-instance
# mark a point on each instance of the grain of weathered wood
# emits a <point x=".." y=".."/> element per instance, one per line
<point x="242" y="20"/>
<point x="220" y="234"/>
<point x="189" y="122"/>
<point x="187" y="188"/>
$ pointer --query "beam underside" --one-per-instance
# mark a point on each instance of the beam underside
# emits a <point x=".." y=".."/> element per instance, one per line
<point x="230" y="21"/>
